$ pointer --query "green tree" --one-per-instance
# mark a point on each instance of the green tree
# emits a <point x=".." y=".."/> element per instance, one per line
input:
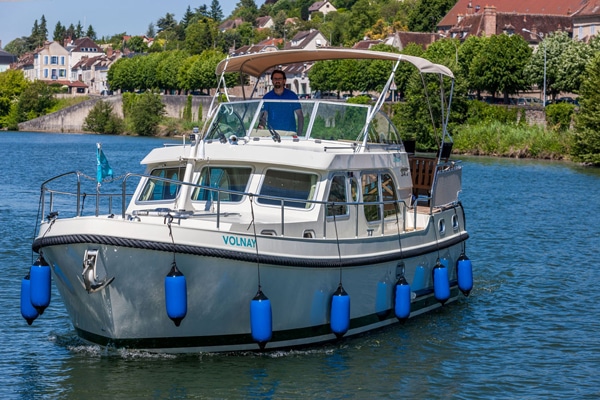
<point x="18" y="46"/>
<point x="467" y="52"/>
<point x="200" y="36"/>
<point x="426" y="14"/>
<point x="150" y="32"/>
<point x="78" y="30"/>
<point x="586" y="145"/>
<point x="565" y="63"/>
<point x="136" y="44"/>
<point x="71" y="32"/>
<point x="279" y="27"/>
<point x="91" y="33"/>
<point x="166" y="23"/>
<point x="12" y="84"/>
<point x="187" y="110"/>
<point x="499" y="66"/>
<point x="146" y="114"/>
<point x="247" y="11"/>
<point x="147" y="69"/>
<point x="122" y="75"/>
<point x="59" y="33"/>
<point x="167" y="71"/>
<point x="35" y="35"/>
<point x="36" y="100"/>
<point x="102" y="119"/>
<point x="188" y="18"/>
<point x="44" y="27"/>
<point x="216" y="12"/>
<point x="362" y="17"/>
<point x="201" y="71"/>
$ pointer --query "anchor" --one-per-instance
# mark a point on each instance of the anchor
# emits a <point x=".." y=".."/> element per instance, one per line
<point x="90" y="278"/>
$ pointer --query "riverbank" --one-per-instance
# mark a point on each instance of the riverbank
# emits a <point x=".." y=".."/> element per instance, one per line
<point x="71" y="119"/>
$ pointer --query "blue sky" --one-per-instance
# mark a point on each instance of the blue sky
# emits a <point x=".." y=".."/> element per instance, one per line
<point x="107" y="17"/>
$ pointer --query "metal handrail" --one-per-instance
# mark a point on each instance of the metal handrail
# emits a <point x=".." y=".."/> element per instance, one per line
<point x="400" y="205"/>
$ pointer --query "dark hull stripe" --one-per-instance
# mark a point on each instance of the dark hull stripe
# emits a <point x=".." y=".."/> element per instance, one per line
<point x="40" y="243"/>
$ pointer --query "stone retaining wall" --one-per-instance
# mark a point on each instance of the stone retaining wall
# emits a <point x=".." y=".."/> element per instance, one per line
<point x="71" y="119"/>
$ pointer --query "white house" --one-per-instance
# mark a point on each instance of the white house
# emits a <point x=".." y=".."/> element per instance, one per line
<point x="324" y="7"/>
<point x="50" y="62"/>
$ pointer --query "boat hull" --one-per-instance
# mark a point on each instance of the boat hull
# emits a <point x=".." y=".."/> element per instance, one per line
<point x="130" y="312"/>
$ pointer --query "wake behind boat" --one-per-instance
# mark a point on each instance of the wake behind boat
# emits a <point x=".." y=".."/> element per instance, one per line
<point x="250" y="236"/>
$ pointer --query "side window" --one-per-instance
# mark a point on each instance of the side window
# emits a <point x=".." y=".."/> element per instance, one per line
<point x="388" y="193"/>
<point x="370" y="194"/>
<point x="156" y="189"/>
<point x="229" y="179"/>
<point x="379" y="188"/>
<point x="337" y="194"/>
<point x="288" y="185"/>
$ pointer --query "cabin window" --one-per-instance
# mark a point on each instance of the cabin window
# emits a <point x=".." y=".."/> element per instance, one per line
<point x="378" y="188"/>
<point x="388" y="195"/>
<point x="159" y="189"/>
<point x="337" y="194"/>
<point x="370" y="191"/>
<point x="287" y="185"/>
<point x="224" y="181"/>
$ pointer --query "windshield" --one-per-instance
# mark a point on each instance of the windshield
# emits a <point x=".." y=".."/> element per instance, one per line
<point x="326" y="120"/>
<point x="233" y="119"/>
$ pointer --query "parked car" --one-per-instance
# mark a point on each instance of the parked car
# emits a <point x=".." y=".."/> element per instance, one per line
<point x="324" y="95"/>
<point x="106" y="93"/>
<point x="304" y="96"/>
<point x="567" y="99"/>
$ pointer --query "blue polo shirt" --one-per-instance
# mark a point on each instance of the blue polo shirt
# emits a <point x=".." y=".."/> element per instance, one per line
<point x="281" y="116"/>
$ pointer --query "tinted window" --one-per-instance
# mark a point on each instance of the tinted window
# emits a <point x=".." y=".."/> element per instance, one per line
<point x="228" y="179"/>
<point x="288" y="185"/>
<point x="156" y="190"/>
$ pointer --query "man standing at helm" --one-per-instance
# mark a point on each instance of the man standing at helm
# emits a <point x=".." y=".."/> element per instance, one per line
<point x="281" y="115"/>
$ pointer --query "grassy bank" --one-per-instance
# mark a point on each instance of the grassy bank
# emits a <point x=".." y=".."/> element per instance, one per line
<point x="509" y="140"/>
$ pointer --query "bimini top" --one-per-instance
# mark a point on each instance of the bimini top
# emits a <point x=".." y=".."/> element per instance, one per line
<point x="257" y="64"/>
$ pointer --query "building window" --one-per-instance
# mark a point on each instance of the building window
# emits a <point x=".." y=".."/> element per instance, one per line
<point x="593" y="29"/>
<point x="62" y="60"/>
<point x="54" y="60"/>
<point x="62" y="73"/>
<point x="45" y="73"/>
<point x="45" y="60"/>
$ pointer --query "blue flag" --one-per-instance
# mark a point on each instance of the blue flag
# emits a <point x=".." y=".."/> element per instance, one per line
<point x="103" y="170"/>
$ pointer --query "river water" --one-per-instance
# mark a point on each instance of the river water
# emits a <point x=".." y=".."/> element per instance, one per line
<point x="529" y="329"/>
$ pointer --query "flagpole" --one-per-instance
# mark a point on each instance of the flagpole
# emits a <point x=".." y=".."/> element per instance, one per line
<point x="98" y="176"/>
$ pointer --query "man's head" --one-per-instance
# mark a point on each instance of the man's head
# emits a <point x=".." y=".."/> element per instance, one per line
<point x="278" y="80"/>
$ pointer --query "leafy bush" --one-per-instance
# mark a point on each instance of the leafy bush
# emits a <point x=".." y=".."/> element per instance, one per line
<point x="559" y="116"/>
<point x="146" y="113"/>
<point x="479" y="111"/>
<point x="102" y="119"/>
<point x="187" y="110"/>
<point x="586" y="146"/>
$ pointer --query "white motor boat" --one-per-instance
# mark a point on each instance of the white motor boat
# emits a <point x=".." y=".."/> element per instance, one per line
<point x="248" y="237"/>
